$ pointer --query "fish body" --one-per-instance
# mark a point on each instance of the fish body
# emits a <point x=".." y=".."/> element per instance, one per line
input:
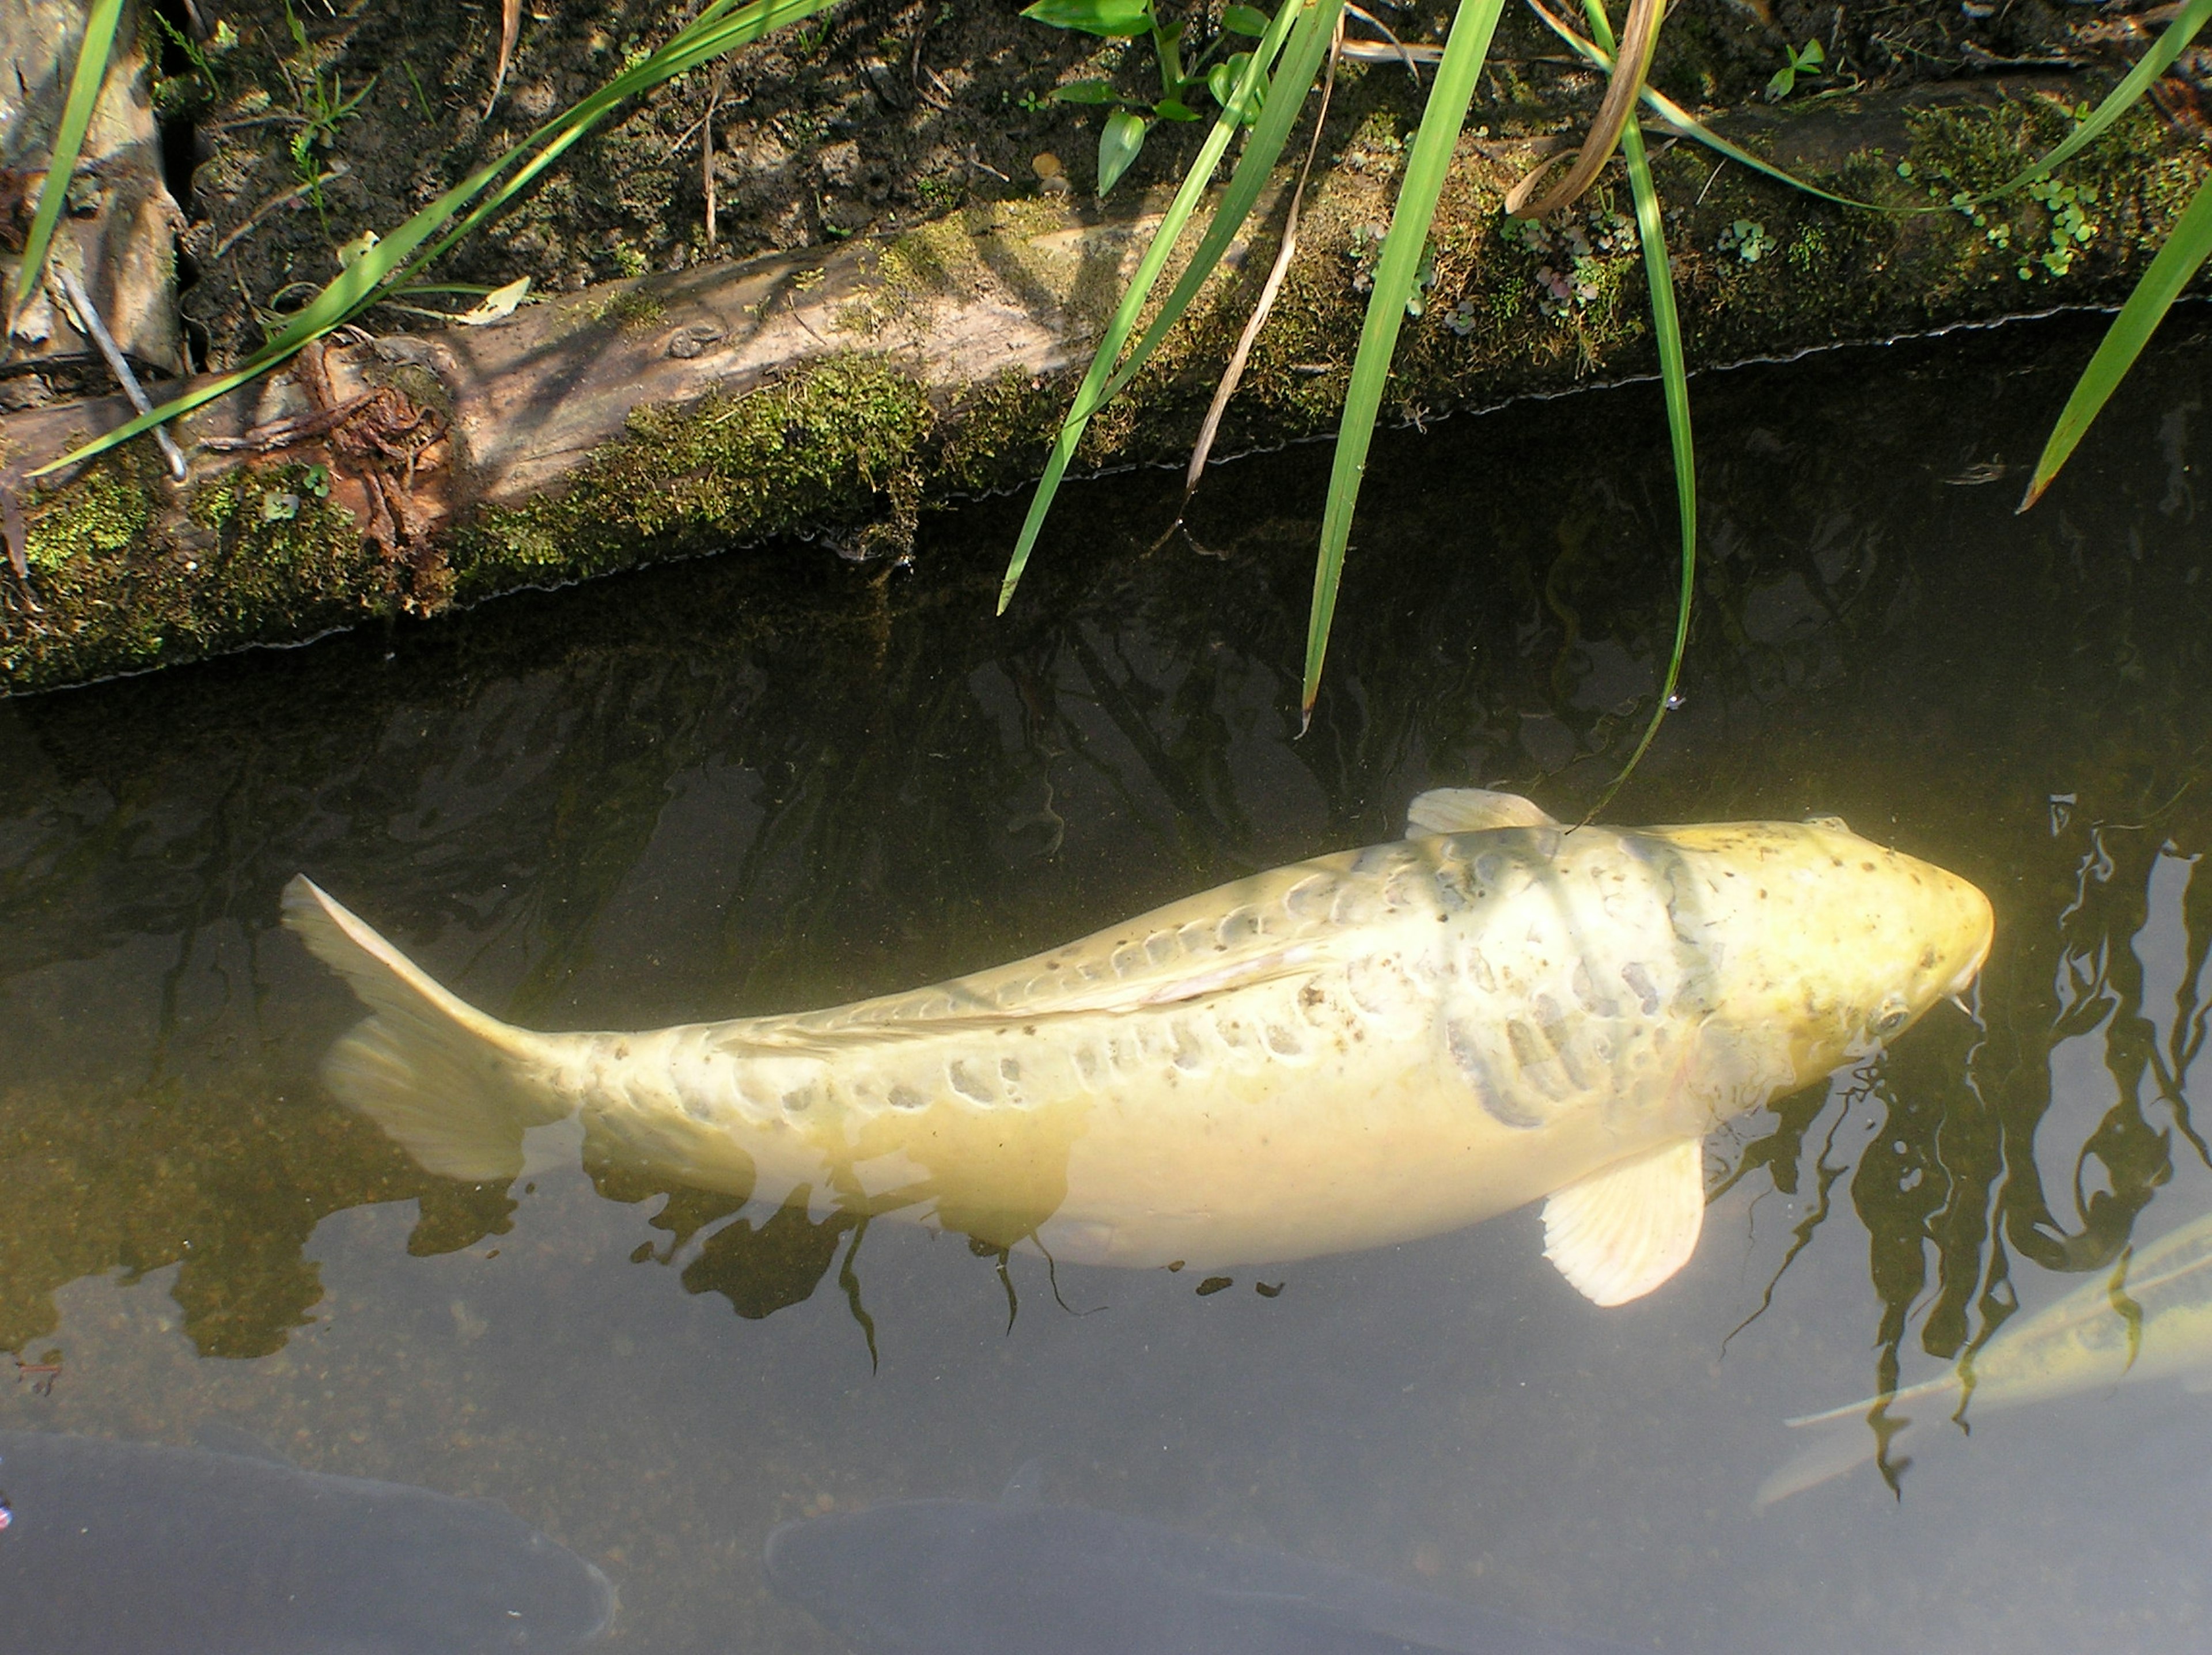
<point x="956" y="1576"/>
<point x="1363" y="1048"/>
<point x="138" y="1548"/>
<point x="2150" y="1318"/>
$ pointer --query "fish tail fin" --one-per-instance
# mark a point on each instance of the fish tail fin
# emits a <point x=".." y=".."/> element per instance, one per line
<point x="451" y="1085"/>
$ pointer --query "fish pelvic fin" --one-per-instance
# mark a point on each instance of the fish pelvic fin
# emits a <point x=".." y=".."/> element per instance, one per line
<point x="446" y="1082"/>
<point x="1619" y="1232"/>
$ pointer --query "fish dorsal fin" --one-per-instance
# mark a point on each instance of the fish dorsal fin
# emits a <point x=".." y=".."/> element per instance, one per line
<point x="1470" y="810"/>
<point x="1619" y="1232"/>
<point x="1025" y="1488"/>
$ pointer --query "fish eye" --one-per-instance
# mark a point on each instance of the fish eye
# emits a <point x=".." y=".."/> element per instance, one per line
<point x="1835" y="823"/>
<point x="1892" y="1015"/>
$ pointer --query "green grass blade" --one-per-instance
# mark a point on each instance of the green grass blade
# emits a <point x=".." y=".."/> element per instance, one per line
<point x="2184" y="253"/>
<point x="1426" y="163"/>
<point x="1302" y="66"/>
<point x="1674" y="379"/>
<point x="85" y="82"/>
<point x="402" y="255"/>
<point x="2155" y="62"/>
<point x="1309" y="24"/>
<point x="1697" y="132"/>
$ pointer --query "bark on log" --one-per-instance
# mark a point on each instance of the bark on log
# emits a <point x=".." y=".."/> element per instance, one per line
<point x="838" y="392"/>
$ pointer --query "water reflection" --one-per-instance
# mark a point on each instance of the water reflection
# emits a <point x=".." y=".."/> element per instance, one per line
<point x="736" y="787"/>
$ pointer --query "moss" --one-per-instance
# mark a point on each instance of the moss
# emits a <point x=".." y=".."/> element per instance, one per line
<point x="125" y="577"/>
<point x="854" y="445"/>
<point x="826" y="446"/>
<point x="102" y="513"/>
<point x="630" y="310"/>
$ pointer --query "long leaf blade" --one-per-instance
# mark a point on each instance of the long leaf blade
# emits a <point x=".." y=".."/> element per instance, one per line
<point x="2155" y="62"/>
<point x="85" y="82"/>
<point x="398" y="256"/>
<point x="2184" y="253"/>
<point x="1453" y="90"/>
<point x="1674" y="379"/>
<point x="1309" y="24"/>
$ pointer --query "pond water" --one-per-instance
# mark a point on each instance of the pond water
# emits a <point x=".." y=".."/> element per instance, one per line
<point x="771" y="782"/>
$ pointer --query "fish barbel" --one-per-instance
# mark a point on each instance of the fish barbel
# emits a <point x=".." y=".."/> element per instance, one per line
<point x="2149" y="1317"/>
<point x="1360" y="1049"/>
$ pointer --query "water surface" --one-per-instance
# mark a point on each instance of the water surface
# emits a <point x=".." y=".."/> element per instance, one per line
<point x="771" y="781"/>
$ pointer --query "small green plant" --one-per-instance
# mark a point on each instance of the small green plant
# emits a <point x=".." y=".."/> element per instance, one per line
<point x="1747" y="239"/>
<point x="174" y="93"/>
<point x="1123" y="135"/>
<point x="1808" y="60"/>
<point x="1576" y="252"/>
<point x="323" y="104"/>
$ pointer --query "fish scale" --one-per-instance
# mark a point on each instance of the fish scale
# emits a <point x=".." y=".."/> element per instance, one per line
<point x="1362" y="1048"/>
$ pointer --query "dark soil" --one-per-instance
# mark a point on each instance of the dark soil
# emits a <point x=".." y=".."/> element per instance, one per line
<point x="877" y="115"/>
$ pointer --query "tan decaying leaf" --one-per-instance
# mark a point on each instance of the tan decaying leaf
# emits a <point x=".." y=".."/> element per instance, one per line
<point x="497" y="305"/>
<point x="510" y="26"/>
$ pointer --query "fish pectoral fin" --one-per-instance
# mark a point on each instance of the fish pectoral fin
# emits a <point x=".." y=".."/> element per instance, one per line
<point x="1619" y="1232"/>
<point x="1470" y="810"/>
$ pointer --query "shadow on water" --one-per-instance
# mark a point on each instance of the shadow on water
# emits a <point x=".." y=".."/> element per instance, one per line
<point x="766" y="782"/>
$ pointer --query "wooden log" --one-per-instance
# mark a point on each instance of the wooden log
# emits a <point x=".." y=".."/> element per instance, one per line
<point x="839" y="391"/>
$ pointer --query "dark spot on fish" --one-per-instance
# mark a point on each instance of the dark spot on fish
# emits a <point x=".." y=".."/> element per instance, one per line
<point x="1311" y="995"/>
<point x="639" y="1253"/>
<point x="622" y="1048"/>
<point x="1528" y="1050"/>
<point x="1762" y="893"/>
<point x="1865" y="867"/>
<point x="1927" y="955"/>
<point x="797" y="1102"/>
<point x="1009" y="1070"/>
<point x="1265" y="1289"/>
<point x="1214" y="1284"/>
<point x="905" y="1097"/>
<point x="1173" y="1265"/>
<point x="1029" y="1028"/>
<point x="1641" y="985"/>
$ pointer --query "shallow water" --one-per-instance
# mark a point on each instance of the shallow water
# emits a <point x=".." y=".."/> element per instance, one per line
<point x="770" y="781"/>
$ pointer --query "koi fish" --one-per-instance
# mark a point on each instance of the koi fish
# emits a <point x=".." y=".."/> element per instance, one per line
<point x="1361" y="1048"/>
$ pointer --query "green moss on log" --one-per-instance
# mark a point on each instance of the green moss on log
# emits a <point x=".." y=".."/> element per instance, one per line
<point x="127" y="575"/>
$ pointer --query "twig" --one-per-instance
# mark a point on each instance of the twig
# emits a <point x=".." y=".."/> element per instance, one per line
<point x="707" y="151"/>
<point x="338" y="169"/>
<point x="82" y="302"/>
